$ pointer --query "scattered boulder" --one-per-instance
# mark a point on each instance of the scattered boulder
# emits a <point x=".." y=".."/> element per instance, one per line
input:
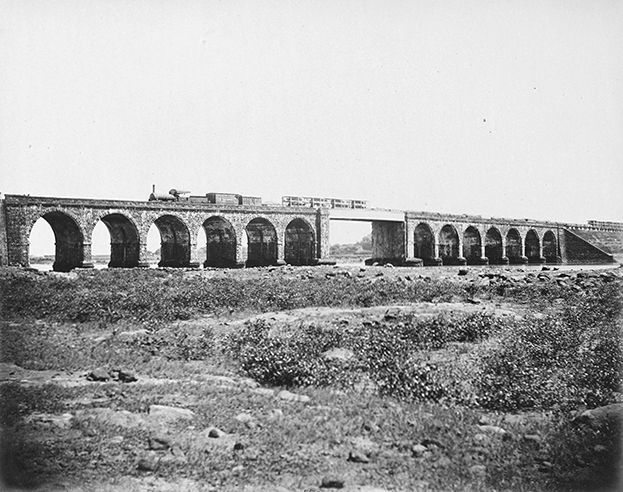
<point x="602" y="416"/>
<point x="175" y="456"/>
<point x="339" y="354"/>
<point x="370" y="427"/>
<point x="463" y="271"/>
<point x="431" y="443"/>
<point x="247" y="419"/>
<point x="63" y="421"/>
<point x="112" y="418"/>
<point x="481" y="438"/>
<point x="99" y="374"/>
<point x="419" y="450"/>
<point x="123" y="376"/>
<point x="170" y="413"/>
<point x="357" y="456"/>
<point x="332" y="482"/>
<point x="275" y="415"/>
<point x="391" y="313"/>
<point x="159" y="442"/>
<point x="215" y="433"/>
<point x="442" y="462"/>
<point x="478" y="470"/>
<point x="264" y="391"/>
<point x="534" y="438"/>
<point x="494" y="429"/>
<point x="294" y="397"/>
<point x="149" y="462"/>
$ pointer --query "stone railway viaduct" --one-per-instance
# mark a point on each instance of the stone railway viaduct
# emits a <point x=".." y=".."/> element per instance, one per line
<point x="256" y="235"/>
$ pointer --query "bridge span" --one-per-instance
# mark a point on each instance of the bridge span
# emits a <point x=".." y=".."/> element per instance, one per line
<point x="258" y="235"/>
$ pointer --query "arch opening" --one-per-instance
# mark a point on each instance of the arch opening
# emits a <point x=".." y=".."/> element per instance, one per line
<point x="68" y="239"/>
<point x="449" y="245"/>
<point x="220" y="243"/>
<point x="424" y="244"/>
<point x="533" y="247"/>
<point x="513" y="247"/>
<point x="174" y="242"/>
<point x="124" y="241"/>
<point x="299" y="243"/>
<point x="550" y="248"/>
<point x="472" y="246"/>
<point x="493" y="247"/>
<point x="261" y="243"/>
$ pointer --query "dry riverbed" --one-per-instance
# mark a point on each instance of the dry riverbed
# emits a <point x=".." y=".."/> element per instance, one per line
<point x="119" y="393"/>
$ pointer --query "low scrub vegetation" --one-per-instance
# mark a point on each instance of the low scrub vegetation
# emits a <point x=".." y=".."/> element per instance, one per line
<point x="561" y="361"/>
<point x="160" y="296"/>
<point x="557" y="361"/>
<point x="488" y="383"/>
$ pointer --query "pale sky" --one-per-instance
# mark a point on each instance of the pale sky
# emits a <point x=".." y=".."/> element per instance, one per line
<point x="499" y="108"/>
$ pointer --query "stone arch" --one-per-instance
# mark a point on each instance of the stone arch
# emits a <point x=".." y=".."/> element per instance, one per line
<point x="299" y="243"/>
<point x="472" y="246"/>
<point x="550" y="248"/>
<point x="68" y="238"/>
<point x="532" y="247"/>
<point x="514" y="247"/>
<point x="493" y="246"/>
<point x="449" y="245"/>
<point x="124" y="240"/>
<point x="220" y="242"/>
<point x="424" y="243"/>
<point x="261" y="242"/>
<point x="174" y="241"/>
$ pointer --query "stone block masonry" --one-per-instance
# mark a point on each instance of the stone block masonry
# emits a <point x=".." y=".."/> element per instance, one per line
<point x="241" y="235"/>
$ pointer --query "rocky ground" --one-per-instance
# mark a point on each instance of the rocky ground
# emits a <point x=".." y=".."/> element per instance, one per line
<point x="89" y="407"/>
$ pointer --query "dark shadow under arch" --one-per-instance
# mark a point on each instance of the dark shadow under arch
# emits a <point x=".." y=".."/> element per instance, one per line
<point x="124" y="241"/>
<point x="493" y="247"/>
<point x="533" y="247"/>
<point x="472" y="246"/>
<point x="299" y="243"/>
<point x="449" y="245"/>
<point x="551" y="251"/>
<point x="174" y="241"/>
<point x="261" y="243"/>
<point x="69" y="241"/>
<point x="513" y="247"/>
<point x="424" y="243"/>
<point x="220" y="243"/>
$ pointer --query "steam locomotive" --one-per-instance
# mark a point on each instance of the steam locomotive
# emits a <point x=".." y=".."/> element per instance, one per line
<point x="175" y="195"/>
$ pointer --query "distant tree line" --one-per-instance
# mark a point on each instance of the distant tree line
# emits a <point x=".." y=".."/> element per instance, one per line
<point x="362" y="247"/>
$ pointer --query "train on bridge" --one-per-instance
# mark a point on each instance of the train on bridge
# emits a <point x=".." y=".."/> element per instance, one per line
<point x="316" y="202"/>
<point x="175" y="195"/>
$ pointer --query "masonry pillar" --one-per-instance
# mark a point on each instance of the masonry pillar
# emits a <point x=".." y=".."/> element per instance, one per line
<point x="142" y="250"/>
<point x="437" y="261"/>
<point x="483" y="255"/>
<point x="504" y="260"/>
<point x="460" y="260"/>
<point x="409" y="246"/>
<point x="281" y="237"/>
<point x="388" y="242"/>
<point x="241" y="247"/>
<point x="194" y="261"/>
<point x="541" y="258"/>
<point x="322" y="238"/>
<point x="87" y="260"/>
<point x="523" y="259"/>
